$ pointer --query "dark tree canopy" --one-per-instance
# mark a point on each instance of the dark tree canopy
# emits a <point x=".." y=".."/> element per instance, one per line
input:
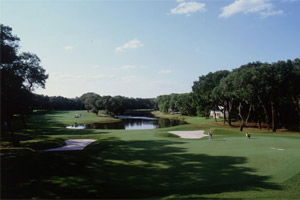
<point x="114" y="105"/>
<point x="21" y="73"/>
<point x="9" y="45"/>
<point x="202" y="90"/>
<point x="182" y="103"/>
<point x="41" y="102"/>
<point x="256" y="92"/>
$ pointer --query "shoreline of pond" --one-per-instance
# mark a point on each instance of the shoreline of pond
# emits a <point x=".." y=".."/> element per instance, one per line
<point x="130" y="122"/>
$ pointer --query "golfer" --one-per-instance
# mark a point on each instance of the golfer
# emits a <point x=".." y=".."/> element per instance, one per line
<point x="209" y="134"/>
<point x="248" y="135"/>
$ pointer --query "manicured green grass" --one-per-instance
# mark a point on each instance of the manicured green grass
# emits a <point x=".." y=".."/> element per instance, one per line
<point x="68" y="118"/>
<point x="153" y="163"/>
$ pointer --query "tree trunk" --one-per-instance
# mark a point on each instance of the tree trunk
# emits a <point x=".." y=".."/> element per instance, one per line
<point x="256" y="117"/>
<point x="278" y="121"/>
<point x="267" y="117"/>
<point x="297" y="104"/>
<point x="207" y="113"/>
<point x="265" y="112"/>
<point x="259" y="123"/>
<point x="250" y="108"/>
<point x="273" y="117"/>
<point x="229" y="112"/>
<point x="215" y="115"/>
<point x="224" y="115"/>
<point x="241" y="116"/>
<point x="297" y="108"/>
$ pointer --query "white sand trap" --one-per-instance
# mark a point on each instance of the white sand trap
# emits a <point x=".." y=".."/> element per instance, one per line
<point x="277" y="149"/>
<point x="73" y="144"/>
<point x="76" y="127"/>
<point x="190" y="134"/>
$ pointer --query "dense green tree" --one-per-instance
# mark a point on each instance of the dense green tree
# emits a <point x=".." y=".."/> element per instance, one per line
<point x="225" y="95"/>
<point x="89" y="100"/>
<point x="277" y="90"/>
<point x="185" y="104"/>
<point x="41" y="102"/>
<point x="21" y="73"/>
<point x="202" y="91"/>
<point x="163" y="102"/>
<point x="182" y="103"/>
<point x="9" y="45"/>
<point x="114" y="105"/>
<point x="262" y="92"/>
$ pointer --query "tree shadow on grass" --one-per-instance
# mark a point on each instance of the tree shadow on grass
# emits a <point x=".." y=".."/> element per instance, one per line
<point x="131" y="169"/>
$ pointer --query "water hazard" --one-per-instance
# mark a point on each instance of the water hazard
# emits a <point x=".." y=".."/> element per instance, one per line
<point x="131" y="122"/>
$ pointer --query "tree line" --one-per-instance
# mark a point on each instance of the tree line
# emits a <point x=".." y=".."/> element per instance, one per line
<point x="92" y="102"/>
<point x="182" y="103"/>
<point x="114" y="105"/>
<point x="256" y="92"/>
<point x="44" y="102"/>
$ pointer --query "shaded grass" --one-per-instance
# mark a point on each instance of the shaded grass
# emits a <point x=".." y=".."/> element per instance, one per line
<point x="40" y="144"/>
<point x="130" y="169"/>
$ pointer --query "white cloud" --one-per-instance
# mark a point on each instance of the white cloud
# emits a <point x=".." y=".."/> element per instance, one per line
<point x="68" y="48"/>
<point x="165" y="71"/>
<point x="132" y="44"/>
<point x="187" y="8"/>
<point x="271" y="13"/>
<point x="262" y="7"/>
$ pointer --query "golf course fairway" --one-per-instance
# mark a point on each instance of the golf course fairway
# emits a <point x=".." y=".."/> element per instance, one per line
<point x="150" y="163"/>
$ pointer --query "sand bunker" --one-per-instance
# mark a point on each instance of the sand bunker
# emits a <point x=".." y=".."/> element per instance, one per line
<point x="73" y="144"/>
<point x="76" y="127"/>
<point x="189" y="134"/>
<point x="277" y="149"/>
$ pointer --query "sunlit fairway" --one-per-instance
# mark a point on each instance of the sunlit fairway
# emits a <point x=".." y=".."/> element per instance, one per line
<point x="151" y="163"/>
<point x="64" y="118"/>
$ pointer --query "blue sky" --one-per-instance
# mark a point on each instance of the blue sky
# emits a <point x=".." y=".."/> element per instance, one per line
<point x="147" y="48"/>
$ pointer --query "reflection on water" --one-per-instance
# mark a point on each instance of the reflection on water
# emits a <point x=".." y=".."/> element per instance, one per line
<point x="136" y="117"/>
<point x="132" y="122"/>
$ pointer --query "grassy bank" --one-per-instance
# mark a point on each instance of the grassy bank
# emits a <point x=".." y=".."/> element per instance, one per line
<point x="153" y="163"/>
<point x="68" y="117"/>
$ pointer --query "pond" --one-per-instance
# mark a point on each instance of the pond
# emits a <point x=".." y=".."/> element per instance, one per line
<point x="131" y="122"/>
